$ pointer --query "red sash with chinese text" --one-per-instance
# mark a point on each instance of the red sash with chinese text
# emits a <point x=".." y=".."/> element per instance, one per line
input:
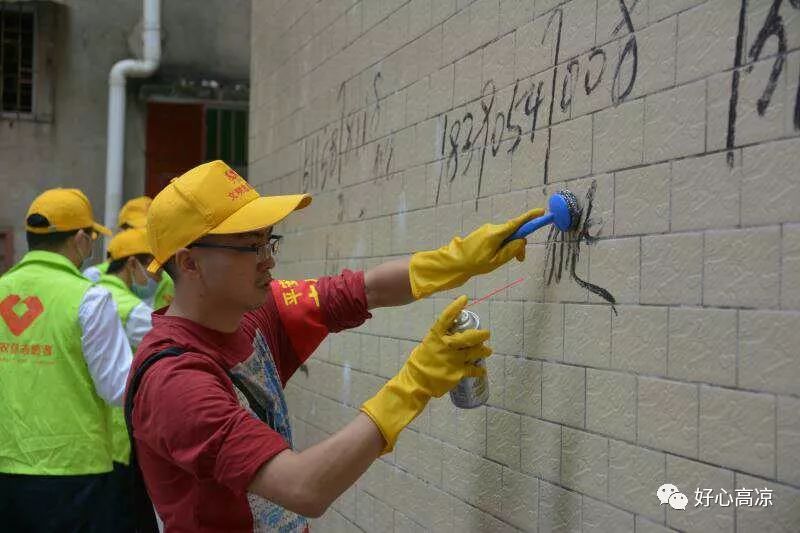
<point x="301" y="315"/>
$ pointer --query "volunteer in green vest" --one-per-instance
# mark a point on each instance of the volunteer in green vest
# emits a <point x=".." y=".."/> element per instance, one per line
<point x="160" y="291"/>
<point x="126" y="278"/>
<point x="64" y="358"/>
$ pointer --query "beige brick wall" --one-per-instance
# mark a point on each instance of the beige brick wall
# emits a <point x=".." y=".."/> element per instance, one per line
<point x="411" y="121"/>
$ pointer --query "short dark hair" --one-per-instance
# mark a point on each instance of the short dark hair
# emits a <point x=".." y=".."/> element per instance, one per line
<point x="171" y="268"/>
<point x="45" y="241"/>
<point x="118" y="264"/>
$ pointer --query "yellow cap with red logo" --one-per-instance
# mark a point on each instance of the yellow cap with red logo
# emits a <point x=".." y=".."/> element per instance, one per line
<point x="65" y="210"/>
<point x="210" y="199"/>
<point x="127" y="243"/>
<point x="134" y="212"/>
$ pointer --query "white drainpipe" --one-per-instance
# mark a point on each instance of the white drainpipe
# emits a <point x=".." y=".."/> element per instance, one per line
<point x="140" y="68"/>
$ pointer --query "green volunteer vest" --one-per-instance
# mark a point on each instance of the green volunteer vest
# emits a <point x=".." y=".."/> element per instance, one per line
<point x="52" y="421"/>
<point x="164" y="292"/>
<point x="126" y="301"/>
<point x="122" y="295"/>
<point x="102" y="267"/>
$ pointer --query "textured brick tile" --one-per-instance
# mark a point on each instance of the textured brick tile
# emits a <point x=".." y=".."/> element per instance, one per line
<point x="690" y="475"/>
<point x="667" y="416"/>
<point x="737" y="429"/>
<point x="587" y="335"/>
<point x="618" y="136"/>
<point x="599" y="517"/>
<point x="768" y="351"/>
<point x="770" y="188"/>
<point x="639" y="339"/>
<point x="702" y="345"/>
<point x="710" y="202"/>
<point x="783" y="515"/>
<point x="641" y="204"/>
<point x="563" y="394"/>
<point x="473" y="479"/>
<point x="632" y="475"/>
<point x="543" y="335"/>
<point x="541" y="448"/>
<point x="523" y="386"/>
<point x="741" y="267"/>
<point x="559" y="509"/>
<point x="584" y="462"/>
<point x="706" y="38"/>
<point x="790" y="267"/>
<point x="674" y="123"/>
<point x="611" y="403"/>
<point x="672" y="269"/>
<point x="520" y="502"/>
<point x="503" y="437"/>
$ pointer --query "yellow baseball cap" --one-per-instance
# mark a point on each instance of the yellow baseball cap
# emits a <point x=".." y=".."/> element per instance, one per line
<point x="210" y="199"/>
<point x="127" y="243"/>
<point x="66" y="210"/>
<point x="134" y="212"/>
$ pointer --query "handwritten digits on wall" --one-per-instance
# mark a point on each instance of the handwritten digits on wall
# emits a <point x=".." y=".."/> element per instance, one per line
<point x="773" y="26"/>
<point x="463" y="137"/>
<point x="492" y="127"/>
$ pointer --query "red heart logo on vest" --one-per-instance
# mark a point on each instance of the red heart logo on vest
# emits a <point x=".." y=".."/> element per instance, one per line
<point x="16" y="323"/>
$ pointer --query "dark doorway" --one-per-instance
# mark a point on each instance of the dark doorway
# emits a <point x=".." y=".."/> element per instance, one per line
<point x="181" y="135"/>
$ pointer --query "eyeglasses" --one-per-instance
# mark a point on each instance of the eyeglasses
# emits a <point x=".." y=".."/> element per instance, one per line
<point x="262" y="251"/>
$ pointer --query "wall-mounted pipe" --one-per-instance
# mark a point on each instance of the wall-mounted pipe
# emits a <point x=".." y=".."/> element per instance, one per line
<point x="139" y="68"/>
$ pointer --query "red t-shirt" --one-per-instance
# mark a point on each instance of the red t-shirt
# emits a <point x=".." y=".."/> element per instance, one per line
<point x="198" y="446"/>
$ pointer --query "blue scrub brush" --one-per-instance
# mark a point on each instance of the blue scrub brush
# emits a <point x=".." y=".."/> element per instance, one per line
<point x="565" y="213"/>
<point x="569" y="227"/>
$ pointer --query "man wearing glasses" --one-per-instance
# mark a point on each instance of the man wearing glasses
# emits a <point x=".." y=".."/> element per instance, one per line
<point x="63" y="357"/>
<point x="205" y="398"/>
<point x="263" y="251"/>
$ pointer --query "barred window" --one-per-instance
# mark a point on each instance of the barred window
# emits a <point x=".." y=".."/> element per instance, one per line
<point x="226" y="137"/>
<point x="16" y="58"/>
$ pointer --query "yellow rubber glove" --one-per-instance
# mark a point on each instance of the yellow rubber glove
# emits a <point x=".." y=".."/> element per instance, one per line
<point x="478" y="253"/>
<point x="433" y="369"/>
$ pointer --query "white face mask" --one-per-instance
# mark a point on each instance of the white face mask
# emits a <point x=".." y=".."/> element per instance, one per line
<point x="148" y="289"/>
<point x="88" y="258"/>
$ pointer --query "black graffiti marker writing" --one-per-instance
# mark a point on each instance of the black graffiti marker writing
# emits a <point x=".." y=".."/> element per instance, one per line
<point x="375" y="119"/>
<point x="340" y="99"/>
<point x="553" y="85"/>
<point x="773" y="26"/>
<point x="730" y="140"/>
<point x="588" y="86"/>
<point x="630" y="50"/>
<point x="466" y="148"/>
<point x="796" y="5"/>
<point x="625" y="20"/>
<point x="441" y="166"/>
<point x="510" y="126"/>
<point x="497" y="134"/>
<point x="487" y="113"/>
<point x="532" y="105"/>
<point x="455" y="132"/>
<point x="569" y="80"/>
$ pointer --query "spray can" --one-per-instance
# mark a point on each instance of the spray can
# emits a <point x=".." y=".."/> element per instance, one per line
<point x="470" y="392"/>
